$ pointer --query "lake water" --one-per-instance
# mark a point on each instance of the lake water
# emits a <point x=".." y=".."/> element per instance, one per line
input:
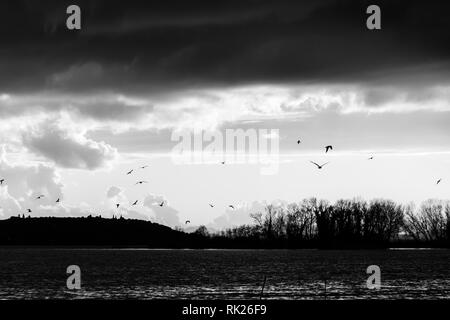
<point x="223" y="274"/>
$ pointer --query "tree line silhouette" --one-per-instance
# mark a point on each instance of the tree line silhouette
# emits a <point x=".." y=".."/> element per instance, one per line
<point x="311" y="223"/>
<point x="356" y="223"/>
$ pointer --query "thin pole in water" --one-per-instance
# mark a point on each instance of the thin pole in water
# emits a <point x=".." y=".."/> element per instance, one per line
<point x="262" y="289"/>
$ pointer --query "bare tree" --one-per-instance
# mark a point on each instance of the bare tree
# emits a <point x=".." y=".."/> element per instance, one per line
<point x="430" y="223"/>
<point x="300" y="221"/>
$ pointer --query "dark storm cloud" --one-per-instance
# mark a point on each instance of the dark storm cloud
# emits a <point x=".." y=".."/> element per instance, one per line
<point x="158" y="45"/>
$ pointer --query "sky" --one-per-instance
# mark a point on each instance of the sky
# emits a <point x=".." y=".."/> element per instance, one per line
<point x="81" y="108"/>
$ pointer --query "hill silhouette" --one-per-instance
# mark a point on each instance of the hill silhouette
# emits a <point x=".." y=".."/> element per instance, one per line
<point x="92" y="231"/>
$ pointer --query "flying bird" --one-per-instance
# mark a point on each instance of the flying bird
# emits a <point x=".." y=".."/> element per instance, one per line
<point x="161" y="204"/>
<point x="129" y="172"/>
<point x="223" y="162"/>
<point x="328" y="148"/>
<point x="231" y="206"/>
<point x="1" y="181"/>
<point x="57" y="201"/>
<point x="141" y="182"/>
<point x="135" y="203"/>
<point x="371" y="158"/>
<point x="318" y="165"/>
<point x="117" y="205"/>
<point x="211" y="205"/>
<point x="29" y="210"/>
<point x="39" y="197"/>
<point x="298" y="142"/>
<point x="439" y="181"/>
<point x="143" y="167"/>
<point x="187" y="221"/>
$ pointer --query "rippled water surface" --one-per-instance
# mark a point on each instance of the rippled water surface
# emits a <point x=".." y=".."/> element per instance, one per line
<point x="223" y="274"/>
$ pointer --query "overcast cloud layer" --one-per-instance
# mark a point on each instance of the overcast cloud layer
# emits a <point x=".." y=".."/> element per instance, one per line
<point x="149" y="46"/>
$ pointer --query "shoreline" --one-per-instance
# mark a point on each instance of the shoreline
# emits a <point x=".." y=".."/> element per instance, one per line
<point x="138" y="248"/>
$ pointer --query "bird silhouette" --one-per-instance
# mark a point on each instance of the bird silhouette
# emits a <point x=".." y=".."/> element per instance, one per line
<point x="371" y="158"/>
<point x="328" y="148"/>
<point x="143" y="167"/>
<point x="135" y="203"/>
<point x="223" y="162"/>
<point x="39" y="197"/>
<point x="129" y="172"/>
<point x="211" y="205"/>
<point x="439" y="181"/>
<point x="318" y="165"/>
<point x="57" y="201"/>
<point x="29" y="210"/>
<point x="187" y="221"/>
<point x="141" y="182"/>
<point x="117" y="205"/>
<point x="1" y="181"/>
<point x="231" y="206"/>
<point x="298" y="142"/>
<point x="161" y="204"/>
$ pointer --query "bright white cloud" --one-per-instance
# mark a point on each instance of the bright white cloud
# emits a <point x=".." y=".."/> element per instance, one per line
<point x="23" y="183"/>
<point x="113" y="192"/>
<point x="67" y="148"/>
<point x="163" y="214"/>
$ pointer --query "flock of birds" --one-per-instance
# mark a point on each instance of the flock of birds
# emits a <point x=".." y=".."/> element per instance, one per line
<point x="37" y="197"/>
<point x="118" y="205"/>
<point x="163" y="202"/>
<point x="328" y="148"/>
